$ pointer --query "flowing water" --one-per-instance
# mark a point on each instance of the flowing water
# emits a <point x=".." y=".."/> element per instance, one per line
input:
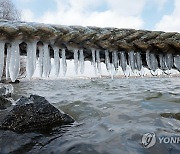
<point x="111" y="115"/>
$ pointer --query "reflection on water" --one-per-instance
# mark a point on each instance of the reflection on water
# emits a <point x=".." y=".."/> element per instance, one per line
<point x="111" y="115"/>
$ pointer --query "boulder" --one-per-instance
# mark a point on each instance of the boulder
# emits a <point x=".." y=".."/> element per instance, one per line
<point x="4" y="103"/>
<point x="5" y="93"/>
<point x="6" y="90"/>
<point x="34" y="114"/>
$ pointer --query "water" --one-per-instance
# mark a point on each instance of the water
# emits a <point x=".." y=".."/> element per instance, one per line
<point x="111" y="116"/>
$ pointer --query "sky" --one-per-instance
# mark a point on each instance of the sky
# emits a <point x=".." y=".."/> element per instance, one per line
<point x="161" y="15"/>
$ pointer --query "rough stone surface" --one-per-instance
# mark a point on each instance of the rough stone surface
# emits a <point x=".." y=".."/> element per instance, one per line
<point x="5" y="93"/>
<point x="34" y="114"/>
<point x="4" y="103"/>
<point x="171" y="115"/>
<point x="6" y="90"/>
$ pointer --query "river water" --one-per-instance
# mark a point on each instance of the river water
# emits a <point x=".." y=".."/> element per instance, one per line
<point x="111" y="115"/>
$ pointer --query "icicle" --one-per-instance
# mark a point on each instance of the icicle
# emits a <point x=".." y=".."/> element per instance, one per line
<point x="81" y="58"/>
<point x="31" y="59"/>
<point x="177" y="62"/>
<point x="94" y="60"/>
<point x="64" y="64"/>
<point x="131" y="60"/>
<point x="115" y="59"/>
<point x="138" y="63"/>
<point x="76" y="60"/>
<point x="8" y="61"/>
<point x="46" y="61"/>
<point x="40" y="63"/>
<point x="162" y="62"/>
<point x="56" y="60"/>
<point x="112" y="71"/>
<point x="107" y="60"/>
<point x="169" y="60"/>
<point x="151" y="61"/>
<point x="123" y="61"/>
<point x="98" y="61"/>
<point x="148" y="59"/>
<point x="2" y="48"/>
<point x="14" y="65"/>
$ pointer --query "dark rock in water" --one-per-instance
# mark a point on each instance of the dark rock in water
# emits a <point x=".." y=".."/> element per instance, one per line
<point x="6" y="90"/>
<point x="4" y="103"/>
<point x="171" y="115"/>
<point x="16" y="81"/>
<point x="9" y="81"/>
<point x="34" y="114"/>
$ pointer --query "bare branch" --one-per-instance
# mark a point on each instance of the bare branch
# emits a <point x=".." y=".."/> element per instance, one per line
<point x="8" y="10"/>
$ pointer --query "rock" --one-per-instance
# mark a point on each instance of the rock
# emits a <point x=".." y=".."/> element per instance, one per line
<point x="9" y="81"/>
<point x="4" y="103"/>
<point x="34" y="114"/>
<point x="171" y="115"/>
<point x="16" y="81"/>
<point x="6" y="90"/>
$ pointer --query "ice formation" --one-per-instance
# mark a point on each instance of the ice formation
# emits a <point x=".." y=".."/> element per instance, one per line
<point x="81" y="59"/>
<point x="14" y="64"/>
<point x="8" y="56"/>
<point x="94" y="60"/>
<point x="46" y="61"/>
<point x="98" y="62"/>
<point x="76" y="61"/>
<point x="112" y="51"/>
<point x="64" y="64"/>
<point x="116" y="63"/>
<point x="56" y="60"/>
<point x="31" y="58"/>
<point x="2" y="48"/>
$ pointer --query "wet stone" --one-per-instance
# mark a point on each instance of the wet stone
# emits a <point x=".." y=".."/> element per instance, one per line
<point x="34" y="114"/>
<point x="171" y="115"/>
<point x="4" y="103"/>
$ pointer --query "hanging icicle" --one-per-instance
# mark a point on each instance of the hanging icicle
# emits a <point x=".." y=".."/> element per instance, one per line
<point x="56" y="60"/>
<point x="123" y="61"/>
<point x="107" y="60"/>
<point x="94" y="60"/>
<point x="46" y="61"/>
<point x="131" y="60"/>
<point x="112" y="71"/>
<point x="98" y="60"/>
<point x="64" y="64"/>
<point x="81" y="59"/>
<point x="76" y="61"/>
<point x="115" y="59"/>
<point x="14" y="66"/>
<point x="31" y="58"/>
<point x="2" y="49"/>
<point x="177" y="61"/>
<point x="162" y="62"/>
<point x="138" y="61"/>
<point x="8" y="56"/>
<point x="40" y="61"/>
<point x="151" y="61"/>
<point x="169" y="61"/>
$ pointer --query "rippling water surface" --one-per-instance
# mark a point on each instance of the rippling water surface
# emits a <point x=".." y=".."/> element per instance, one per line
<point x="111" y="115"/>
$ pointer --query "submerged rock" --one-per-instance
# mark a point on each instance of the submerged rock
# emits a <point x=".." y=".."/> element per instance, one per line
<point x="9" y="81"/>
<point x="34" y="114"/>
<point x="171" y="115"/>
<point x="6" y="90"/>
<point x="4" y="103"/>
<point x="5" y="93"/>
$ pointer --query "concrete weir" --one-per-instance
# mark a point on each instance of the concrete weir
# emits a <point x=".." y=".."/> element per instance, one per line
<point x="129" y="50"/>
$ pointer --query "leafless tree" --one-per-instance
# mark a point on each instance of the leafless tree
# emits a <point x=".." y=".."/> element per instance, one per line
<point x="8" y="10"/>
